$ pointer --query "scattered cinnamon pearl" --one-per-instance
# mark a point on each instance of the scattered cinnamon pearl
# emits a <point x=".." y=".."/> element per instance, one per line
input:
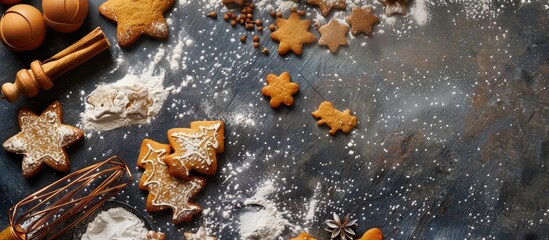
<point x="242" y="15"/>
<point x="256" y="44"/>
<point x="249" y="15"/>
<point x="252" y="6"/>
<point x="272" y="13"/>
<point x="272" y="27"/>
<point x="226" y="17"/>
<point x="260" y="29"/>
<point x="242" y="21"/>
<point x="258" y="22"/>
<point x="279" y="14"/>
<point x="243" y="11"/>
<point x="243" y="38"/>
<point x="301" y="13"/>
<point x="249" y="10"/>
<point x="265" y="50"/>
<point x="255" y="38"/>
<point x="233" y="23"/>
<point x="212" y="14"/>
<point x="247" y="4"/>
<point x="233" y="16"/>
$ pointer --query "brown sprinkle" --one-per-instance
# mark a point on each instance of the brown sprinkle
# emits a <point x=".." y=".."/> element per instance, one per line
<point x="255" y="38"/>
<point x="301" y="13"/>
<point x="260" y="29"/>
<point x="243" y="11"/>
<point x="212" y="14"/>
<point x="249" y="10"/>
<point x="265" y="50"/>
<point x="233" y="23"/>
<point x="272" y="27"/>
<point x="252" y="6"/>
<point x="243" y="38"/>
<point x="226" y="17"/>
<point x="272" y="13"/>
<point x="256" y="44"/>
<point x="279" y="14"/>
<point x="258" y="22"/>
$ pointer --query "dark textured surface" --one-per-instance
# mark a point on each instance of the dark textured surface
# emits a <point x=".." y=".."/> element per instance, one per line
<point x="452" y="142"/>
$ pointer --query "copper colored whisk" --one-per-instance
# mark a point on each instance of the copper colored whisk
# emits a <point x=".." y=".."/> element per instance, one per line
<point x="52" y="211"/>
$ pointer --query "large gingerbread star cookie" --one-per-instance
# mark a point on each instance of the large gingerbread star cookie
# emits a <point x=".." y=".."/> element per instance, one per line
<point x="195" y="148"/>
<point x="292" y="34"/>
<point x="362" y="20"/>
<point x="43" y="140"/>
<point x="166" y="191"/>
<point x="136" y="17"/>
<point x="333" y="35"/>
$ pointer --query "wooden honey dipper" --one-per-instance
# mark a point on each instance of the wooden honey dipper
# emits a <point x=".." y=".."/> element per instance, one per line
<point x="41" y="74"/>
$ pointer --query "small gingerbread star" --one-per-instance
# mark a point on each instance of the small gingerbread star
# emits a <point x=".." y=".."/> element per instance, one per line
<point x="327" y="5"/>
<point x="394" y="6"/>
<point x="362" y="20"/>
<point x="280" y="89"/>
<point x="333" y="35"/>
<point x="292" y="34"/>
<point x="201" y="234"/>
<point x="137" y="17"/>
<point x="43" y="140"/>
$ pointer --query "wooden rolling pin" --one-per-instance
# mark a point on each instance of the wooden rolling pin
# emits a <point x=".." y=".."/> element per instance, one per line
<point x="41" y="74"/>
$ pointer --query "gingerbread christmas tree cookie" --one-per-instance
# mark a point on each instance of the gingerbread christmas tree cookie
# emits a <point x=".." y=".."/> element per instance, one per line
<point x="394" y="6"/>
<point x="362" y="20"/>
<point x="292" y="34"/>
<point x="327" y="5"/>
<point x="335" y="119"/>
<point x="43" y="140"/>
<point x="166" y="191"/>
<point x="136" y="17"/>
<point x="333" y="35"/>
<point x="280" y="89"/>
<point x="195" y="148"/>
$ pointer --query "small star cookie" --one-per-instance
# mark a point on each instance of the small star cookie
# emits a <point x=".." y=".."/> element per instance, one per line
<point x="136" y="17"/>
<point x="280" y="89"/>
<point x="201" y="234"/>
<point x="362" y="20"/>
<point x="195" y="148"/>
<point x="327" y="5"/>
<point x="292" y="34"/>
<point x="303" y="236"/>
<point x="333" y="35"/>
<point x="372" y="234"/>
<point x="43" y="140"/>
<point x="394" y="6"/>
<point x="166" y="191"/>
<point x="335" y="119"/>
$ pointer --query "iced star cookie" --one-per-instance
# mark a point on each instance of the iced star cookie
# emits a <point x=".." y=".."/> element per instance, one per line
<point x="136" y="17"/>
<point x="195" y="148"/>
<point x="43" y="140"/>
<point x="166" y="191"/>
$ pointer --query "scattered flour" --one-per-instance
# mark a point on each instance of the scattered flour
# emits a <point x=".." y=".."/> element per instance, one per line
<point x="134" y="99"/>
<point x="419" y="12"/>
<point x="312" y="206"/>
<point x="116" y="223"/>
<point x="267" y="223"/>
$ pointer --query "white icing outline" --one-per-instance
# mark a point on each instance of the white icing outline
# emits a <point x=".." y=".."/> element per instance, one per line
<point x="196" y="145"/>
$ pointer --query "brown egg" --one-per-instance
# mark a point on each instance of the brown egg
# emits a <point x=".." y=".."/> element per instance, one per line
<point x="65" y="15"/>
<point x="22" y="28"/>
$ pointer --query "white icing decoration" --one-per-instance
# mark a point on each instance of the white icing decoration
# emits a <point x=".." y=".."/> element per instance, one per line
<point x="196" y="145"/>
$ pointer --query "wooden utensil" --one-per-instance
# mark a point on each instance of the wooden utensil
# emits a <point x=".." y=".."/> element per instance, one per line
<point x="41" y="74"/>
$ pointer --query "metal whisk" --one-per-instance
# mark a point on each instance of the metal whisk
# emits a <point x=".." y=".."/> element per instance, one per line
<point x="52" y="211"/>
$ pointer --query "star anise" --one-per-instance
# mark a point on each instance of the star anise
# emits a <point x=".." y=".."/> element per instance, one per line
<point x="342" y="229"/>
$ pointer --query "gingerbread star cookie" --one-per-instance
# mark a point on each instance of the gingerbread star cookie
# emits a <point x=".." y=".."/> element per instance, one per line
<point x="327" y="5"/>
<point x="394" y="6"/>
<point x="201" y="234"/>
<point x="292" y="34"/>
<point x="362" y="20"/>
<point x="166" y="191"/>
<point x="303" y="236"/>
<point x="136" y="17"/>
<point x="372" y="234"/>
<point x="334" y="118"/>
<point x="333" y="35"/>
<point x="280" y="89"/>
<point x="43" y="140"/>
<point x="195" y="148"/>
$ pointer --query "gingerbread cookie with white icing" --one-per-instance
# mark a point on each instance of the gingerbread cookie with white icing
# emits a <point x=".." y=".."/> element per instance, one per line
<point x="166" y="191"/>
<point x="195" y="148"/>
<point x="43" y="140"/>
